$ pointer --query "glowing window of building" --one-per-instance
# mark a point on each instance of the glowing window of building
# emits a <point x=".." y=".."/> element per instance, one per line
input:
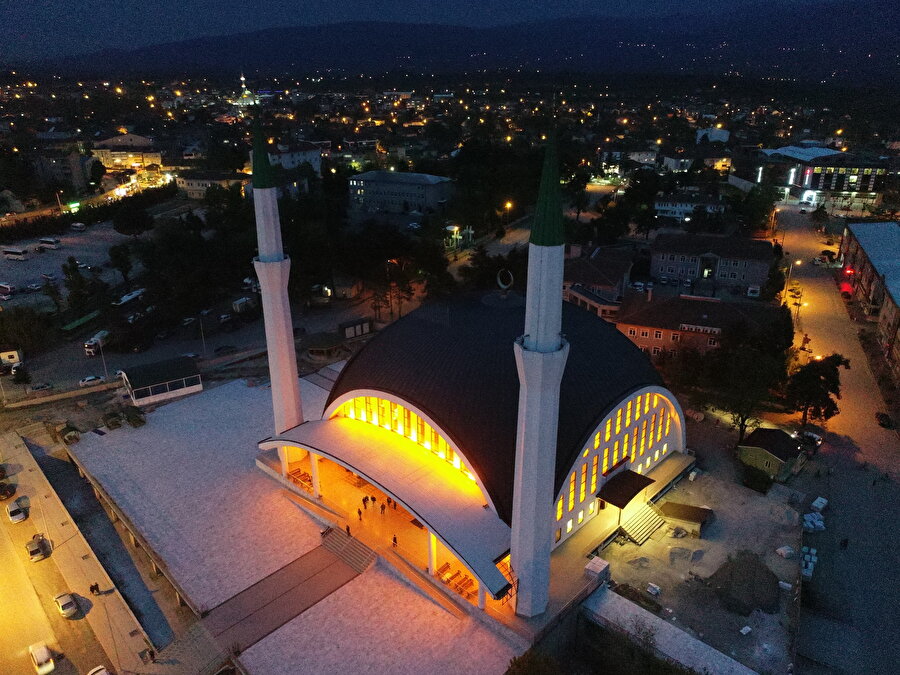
<point x="668" y="423"/>
<point x="605" y="459"/>
<point x="596" y="440"/>
<point x="628" y="414"/>
<point x="569" y="525"/>
<point x="572" y="491"/>
<point x="639" y="469"/>
<point x="558" y="534"/>
<point x="647" y="404"/>
<point x="591" y="508"/>
<point x="618" y="420"/>
<point x="608" y="430"/>
<point x="583" y="487"/>
<point x="559" y="509"/>
<point x="404" y="422"/>
<point x="665" y="448"/>
<point x="624" y="450"/>
<point x="644" y="436"/>
<point x="615" y="453"/>
<point x="637" y="407"/>
<point x="585" y="453"/>
<point x="633" y="444"/>
<point x="655" y="400"/>
<point x="648" y="463"/>
<point x="656" y="455"/>
<point x="652" y="426"/>
<point x="659" y="427"/>
<point x="581" y="516"/>
<point x="594" y="463"/>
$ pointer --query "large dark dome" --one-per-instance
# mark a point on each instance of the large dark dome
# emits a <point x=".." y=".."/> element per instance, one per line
<point x="454" y="361"/>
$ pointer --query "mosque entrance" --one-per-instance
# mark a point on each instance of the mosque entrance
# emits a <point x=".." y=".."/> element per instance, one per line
<point x="627" y="492"/>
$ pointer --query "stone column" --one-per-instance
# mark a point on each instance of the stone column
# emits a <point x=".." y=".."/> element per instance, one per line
<point x="432" y="553"/>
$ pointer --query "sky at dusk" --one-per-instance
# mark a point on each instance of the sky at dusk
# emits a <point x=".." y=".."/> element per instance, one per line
<point x="51" y="28"/>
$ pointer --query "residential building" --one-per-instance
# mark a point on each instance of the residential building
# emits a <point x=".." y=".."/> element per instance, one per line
<point x="597" y="282"/>
<point x="196" y="183"/>
<point x="115" y="159"/>
<point x="681" y="205"/>
<point x="126" y="141"/>
<point x="161" y="381"/>
<point x="296" y="154"/>
<point x="719" y="262"/>
<point x="677" y="163"/>
<point x="871" y="274"/>
<point x="400" y="192"/>
<point x="664" y="325"/>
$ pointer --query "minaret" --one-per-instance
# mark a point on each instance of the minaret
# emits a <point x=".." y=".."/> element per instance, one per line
<point x="272" y="270"/>
<point x="541" y="355"/>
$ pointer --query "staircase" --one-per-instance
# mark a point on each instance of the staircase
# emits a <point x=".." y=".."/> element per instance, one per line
<point x="352" y="551"/>
<point x="642" y="524"/>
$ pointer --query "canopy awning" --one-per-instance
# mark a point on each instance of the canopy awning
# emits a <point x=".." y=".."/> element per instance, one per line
<point x="623" y="487"/>
<point x="442" y="498"/>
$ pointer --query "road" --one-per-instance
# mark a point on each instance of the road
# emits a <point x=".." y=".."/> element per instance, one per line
<point x="27" y="612"/>
<point x="857" y="470"/>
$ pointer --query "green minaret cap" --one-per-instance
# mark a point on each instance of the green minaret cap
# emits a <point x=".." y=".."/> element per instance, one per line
<point x="547" y="228"/>
<point x="263" y="176"/>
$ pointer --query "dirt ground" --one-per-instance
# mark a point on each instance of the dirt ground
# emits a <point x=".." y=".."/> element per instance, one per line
<point x="744" y="520"/>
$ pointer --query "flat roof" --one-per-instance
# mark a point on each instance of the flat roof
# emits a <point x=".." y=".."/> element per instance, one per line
<point x="881" y="242"/>
<point x="188" y="482"/>
<point x="447" y="502"/>
<point x="623" y="487"/>
<point x="148" y="374"/>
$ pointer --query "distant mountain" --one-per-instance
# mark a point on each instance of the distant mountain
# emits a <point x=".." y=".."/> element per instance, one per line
<point x="837" y="41"/>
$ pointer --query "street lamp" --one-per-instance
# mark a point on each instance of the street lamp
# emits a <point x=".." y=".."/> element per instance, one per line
<point x="787" y="281"/>
<point x="508" y="206"/>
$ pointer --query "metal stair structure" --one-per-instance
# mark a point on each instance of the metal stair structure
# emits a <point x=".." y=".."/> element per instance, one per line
<point x="352" y="551"/>
<point x="643" y="524"/>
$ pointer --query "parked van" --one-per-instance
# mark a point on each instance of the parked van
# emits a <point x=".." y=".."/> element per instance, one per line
<point x="78" y="227"/>
<point x="49" y="242"/>
<point x="7" y="288"/>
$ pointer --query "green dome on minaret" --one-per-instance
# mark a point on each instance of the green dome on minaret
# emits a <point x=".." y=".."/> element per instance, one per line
<point x="547" y="228"/>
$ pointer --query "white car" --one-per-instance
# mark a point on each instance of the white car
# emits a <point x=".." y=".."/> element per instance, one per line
<point x="41" y="658"/>
<point x="90" y="381"/>
<point x="99" y="670"/>
<point x="66" y="604"/>
<point x="15" y="513"/>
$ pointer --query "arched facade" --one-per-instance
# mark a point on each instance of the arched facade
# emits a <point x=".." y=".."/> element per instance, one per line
<point x="405" y="419"/>
<point x="636" y="434"/>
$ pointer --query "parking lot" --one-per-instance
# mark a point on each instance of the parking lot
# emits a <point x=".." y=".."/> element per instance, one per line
<point x="90" y="247"/>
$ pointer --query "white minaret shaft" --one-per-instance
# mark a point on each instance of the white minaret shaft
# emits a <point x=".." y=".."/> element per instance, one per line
<point x="273" y="270"/>
<point x="541" y="355"/>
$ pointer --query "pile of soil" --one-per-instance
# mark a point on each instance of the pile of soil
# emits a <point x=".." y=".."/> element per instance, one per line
<point x="744" y="583"/>
<point x="641" y="598"/>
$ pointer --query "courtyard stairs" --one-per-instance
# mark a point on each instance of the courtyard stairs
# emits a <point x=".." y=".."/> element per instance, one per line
<point x="352" y="551"/>
<point x="643" y="524"/>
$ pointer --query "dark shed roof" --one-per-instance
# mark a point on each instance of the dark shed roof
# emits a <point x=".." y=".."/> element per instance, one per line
<point x="775" y="441"/>
<point x="454" y="360"/>
<point x="162" y="371"/>
<point x="623" y="487"/>
<point x="693" y="514"/>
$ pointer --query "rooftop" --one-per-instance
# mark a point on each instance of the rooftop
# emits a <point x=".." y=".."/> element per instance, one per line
<point x="777" y="442"/>
<point x="400" y="177"/>
<point x="726" y="247"/>
<point x="604" y="267"/>
<point x="162" y="371"/>
<point x="800" y="153"/>
<point x="672" y="312"/>
<point x="881" y="242"/>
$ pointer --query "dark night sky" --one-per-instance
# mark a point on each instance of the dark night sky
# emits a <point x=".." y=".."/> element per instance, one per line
<point x="48" y="28"/>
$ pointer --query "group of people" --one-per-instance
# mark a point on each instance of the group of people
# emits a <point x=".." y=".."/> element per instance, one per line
<point x="384" y="506"/>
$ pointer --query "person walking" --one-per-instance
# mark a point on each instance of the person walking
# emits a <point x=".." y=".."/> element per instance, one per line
<point x="373" y="501"/>
<point x="348" y="530"/>
<point x="389" y="500"/>
<point x="382" y="509"/>
<point x="395" y="504"/>
<point x="394" y="541"/>
<point x="359" y="513"/>
<point x="366" y="502"/>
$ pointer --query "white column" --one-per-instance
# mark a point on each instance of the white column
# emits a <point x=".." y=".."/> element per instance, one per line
<point x="432" y="553"/>
<point x="543" y="299"/>
<point x="481" y="596"/>
<point x="314" y="472"/>
<point x="539" y="376"/>
<point x="283" y="461"/>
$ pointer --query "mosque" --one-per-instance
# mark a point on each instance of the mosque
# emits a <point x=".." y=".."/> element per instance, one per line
<point x="509" y="429"/>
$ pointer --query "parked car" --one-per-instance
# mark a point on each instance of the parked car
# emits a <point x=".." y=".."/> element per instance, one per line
<point x="49" y="276"/>
<point x="188" y="321"/>
<point x="7" y="490"/>
<point x="90" y="381"/>
<point x="191" y="355"/>
<point x="66" y="604"/>
<point x="687" y="283"/>
<point x="41" y="386"/>
<point x="41" y="658"/>
<point x="36" y="548"/>
<point x="637" y="285"/>
<point x="664" y="281"/>
<point x="15" y="513"/>
<point x="884" y="420"/>
<point x="33" y="288"/>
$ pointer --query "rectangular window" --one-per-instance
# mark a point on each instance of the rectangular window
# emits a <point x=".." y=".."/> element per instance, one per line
<point x="372" y="409"/>
<point x="581" y="516"/>
<point x="594" y="463"/>
<point x="668" y="423"/>
<point x="657" y="350"/>
<point x="675" y="337"/>
<point x="633" y="445"/>
<point x="637" y="408"/>
<point x="596" y="440"/>
<point x="583" y="487"/>
<point x="591" y="508"/>
<point x="659" y="427"/>
<point x="558" y="534"/>
<point x="632" y="332"/>
<point x="605" y="460"/>
<point x="559" y="509"/>
<point x="628" y="414"/>
<point x="569" y="526"/>
<point x="616" y="453"/>
<point x="655" y="400"/>
<point x="657" y="334"/>
<point x="624" y="448"/>
<point x="643" y="437"/>
<point x="656" y="455"/>
<point x="608" y="430"/>
<point x="384" y="413"/>
<point x="647" y="404"/>
<point x="652" y="427"/>
<point x="618" y="420"/>
<point x="572" y="491"/>
<point x="645" y="333"/>
<point x="712" y="342"/>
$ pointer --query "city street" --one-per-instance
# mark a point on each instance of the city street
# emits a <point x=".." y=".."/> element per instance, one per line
<point x="856" y="470"/>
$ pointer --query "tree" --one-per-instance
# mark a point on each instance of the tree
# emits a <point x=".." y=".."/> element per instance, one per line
<point x="77" y="286"/>
<point x="813" y="388"/>
<point x="97" y="171"/>
<point x="819" y="216"/>
<point x="120" y="259"/>
<point x="580" y="201"/>
<point x="131" y="220"/>
<point x="51" y="290"/>
<point x="744" y="378"/>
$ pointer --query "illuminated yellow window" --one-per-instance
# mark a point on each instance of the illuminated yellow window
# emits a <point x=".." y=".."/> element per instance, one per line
<point x="581" y="516"/>
<point x="371" y="411"/>
<point x="618" y="420"/>
<point x="591" y="508"/>
<point x="384" y="413"/>
<point x="628" y="414"/>
<point x="646" y="404"/>
<point x="616" y="453"/>
<point x="655" y="400"/>
<point x="594" y="463"/>
<point x="656" y="455"/>
<point x="659" y="427"/>
<point x="583" y="487"/>
<point x="665" y="448"/>
<point x="639" y="469"/>
<point x="569" y="526"/>
<point x="572" y="491"/>
<point x="608" y="430"/>
<point x="558" y="534"/>
<point x="637" y="408"/>
<point x="668" y="423"/>
<point x="648" y="462"/>
<point x="624" y="450"/>
<point x="643" y="436"/>
<point x="605" y="459"/>
<point x="585" y="453"/>
<point x="596" y="440"/>
<point x="559" y="509"/>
